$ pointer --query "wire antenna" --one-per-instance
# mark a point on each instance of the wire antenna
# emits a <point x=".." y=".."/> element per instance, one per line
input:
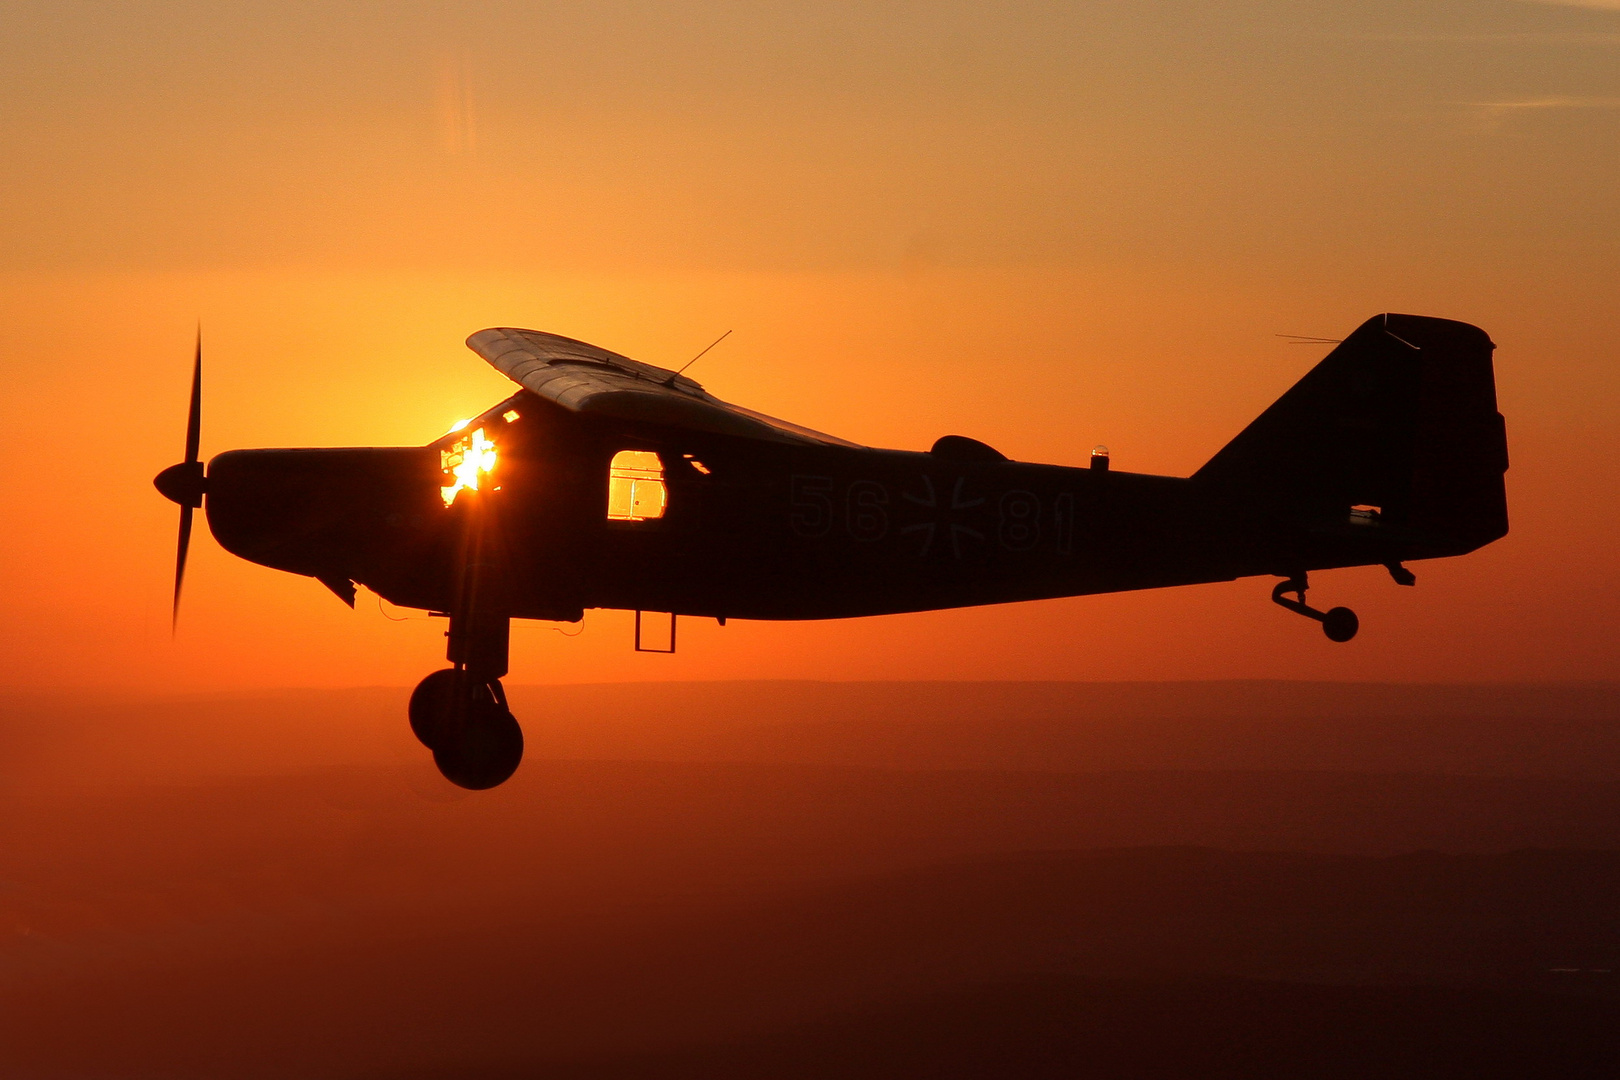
<point x="699" y="356"/>
<point x="1302" y="339"/>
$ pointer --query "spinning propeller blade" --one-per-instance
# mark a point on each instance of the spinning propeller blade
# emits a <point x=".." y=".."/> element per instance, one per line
<point x="184" y="483"/>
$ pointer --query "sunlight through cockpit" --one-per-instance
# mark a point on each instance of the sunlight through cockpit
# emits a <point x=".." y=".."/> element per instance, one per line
<point x="464" y="461"/>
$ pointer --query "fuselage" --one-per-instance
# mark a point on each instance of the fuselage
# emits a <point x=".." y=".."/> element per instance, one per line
<point x="755" y="529"/>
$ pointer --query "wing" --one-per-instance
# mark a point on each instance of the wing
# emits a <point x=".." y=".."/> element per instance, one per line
<point x="590" y="380"/>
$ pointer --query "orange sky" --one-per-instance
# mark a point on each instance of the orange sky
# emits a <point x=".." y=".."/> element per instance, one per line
<point x="1045" y="226"/>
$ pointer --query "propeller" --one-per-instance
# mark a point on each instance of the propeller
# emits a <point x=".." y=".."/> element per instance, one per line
<point x="185" y="483"/>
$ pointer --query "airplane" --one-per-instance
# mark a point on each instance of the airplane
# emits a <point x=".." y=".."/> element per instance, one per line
<point x="603" y="482"/>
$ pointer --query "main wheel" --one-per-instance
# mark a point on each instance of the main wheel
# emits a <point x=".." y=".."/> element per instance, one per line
<point x="1340" y="624"/>
<point x="481" y="745"/>
<point x="434" y="702"/>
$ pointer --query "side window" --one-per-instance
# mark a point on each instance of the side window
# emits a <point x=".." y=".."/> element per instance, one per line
<point x="636" y="486"/>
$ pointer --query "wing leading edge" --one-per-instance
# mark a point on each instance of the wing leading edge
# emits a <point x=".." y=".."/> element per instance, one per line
<point x="590" y="380"/>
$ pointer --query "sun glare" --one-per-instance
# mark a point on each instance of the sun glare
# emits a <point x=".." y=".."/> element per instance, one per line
<point x="465" y="461"/>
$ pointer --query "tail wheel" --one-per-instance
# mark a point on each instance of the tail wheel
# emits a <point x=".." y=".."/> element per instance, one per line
<point x="1340" y="624"/>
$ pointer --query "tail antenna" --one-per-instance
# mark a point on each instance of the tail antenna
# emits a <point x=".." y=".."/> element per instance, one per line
<point x="1303" y="339"/>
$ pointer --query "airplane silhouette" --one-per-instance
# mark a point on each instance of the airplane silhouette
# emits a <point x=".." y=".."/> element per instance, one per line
<point x="608" y="483"/>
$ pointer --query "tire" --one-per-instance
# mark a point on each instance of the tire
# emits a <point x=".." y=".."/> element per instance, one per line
<point x="1340" y="624"/>
<point x="432" y="703"/>
<point x="482" y="748"/>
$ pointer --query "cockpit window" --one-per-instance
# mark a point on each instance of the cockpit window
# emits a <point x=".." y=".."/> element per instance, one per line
<point x="466" y="459"/>
<point x="636" y="486"/>
<point x="463" y="463"/>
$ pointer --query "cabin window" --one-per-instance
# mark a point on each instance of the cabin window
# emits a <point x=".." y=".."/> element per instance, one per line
<point x="636" y="486"/>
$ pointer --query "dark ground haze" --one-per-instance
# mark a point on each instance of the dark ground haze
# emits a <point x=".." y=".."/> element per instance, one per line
<point x="809" y="879"/>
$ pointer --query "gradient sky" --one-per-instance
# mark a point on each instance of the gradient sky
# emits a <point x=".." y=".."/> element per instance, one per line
<point x="1044" y="225"/>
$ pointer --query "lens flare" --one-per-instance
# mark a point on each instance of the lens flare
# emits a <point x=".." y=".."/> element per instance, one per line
<point x="465" y="461"/>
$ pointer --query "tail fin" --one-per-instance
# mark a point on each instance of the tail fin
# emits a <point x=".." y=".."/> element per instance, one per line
<point x="1400" y="419"/>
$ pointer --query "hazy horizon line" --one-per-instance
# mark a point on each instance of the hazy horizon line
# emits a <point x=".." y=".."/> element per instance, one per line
<point x="26" y="691"/>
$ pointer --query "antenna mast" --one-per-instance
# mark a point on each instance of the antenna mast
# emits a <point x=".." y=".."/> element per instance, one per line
<point x="699" y="356"/>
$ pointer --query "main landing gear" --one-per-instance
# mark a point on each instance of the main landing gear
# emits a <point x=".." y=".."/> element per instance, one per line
<point x="1339" y="624"/>
<point x="460" y="713"/>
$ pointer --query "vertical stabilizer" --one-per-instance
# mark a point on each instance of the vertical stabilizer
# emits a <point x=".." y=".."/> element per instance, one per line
<point x="1399" y="421"/>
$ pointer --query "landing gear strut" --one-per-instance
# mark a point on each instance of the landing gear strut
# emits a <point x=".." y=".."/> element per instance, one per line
<point x="1339" y="624"/>
<point x="460" y="713"/>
